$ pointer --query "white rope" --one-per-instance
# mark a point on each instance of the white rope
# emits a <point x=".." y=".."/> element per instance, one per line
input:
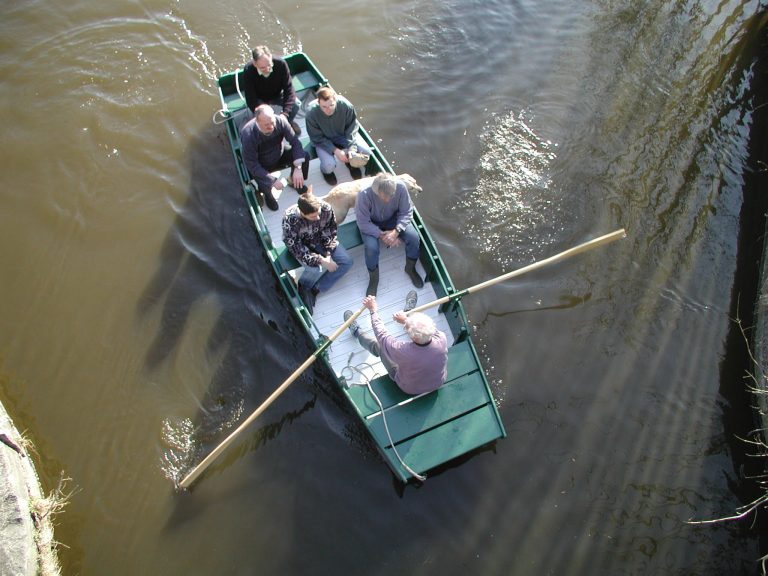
<point x="237" y="86"/>
<point x="366" y="382"/>
<point x="225" y="114"/>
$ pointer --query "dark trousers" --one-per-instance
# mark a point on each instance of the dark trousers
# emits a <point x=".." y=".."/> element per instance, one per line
<point x="286" y="159"/>
<point x="369" y="343"/>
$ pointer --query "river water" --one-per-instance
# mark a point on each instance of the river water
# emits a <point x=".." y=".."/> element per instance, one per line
<point x="136" y="303"/>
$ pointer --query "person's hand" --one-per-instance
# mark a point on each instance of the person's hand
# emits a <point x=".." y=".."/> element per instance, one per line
<point x="370" y="303"/>
<point x="328" y="263"/>
<point x="297" y="176"/>
<point x="341" y="155"/>
<point x="278" y="184"/>
<point x="400" y="317"/>
<point x="390" y="238"/>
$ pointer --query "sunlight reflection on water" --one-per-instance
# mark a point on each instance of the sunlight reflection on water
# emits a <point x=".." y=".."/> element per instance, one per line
<point x="513" y="194"/>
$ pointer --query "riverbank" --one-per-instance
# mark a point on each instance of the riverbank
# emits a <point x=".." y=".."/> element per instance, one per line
<point x="27" y="546"/>
<point x="757" y="180"/>
<point x="755" y="216"/>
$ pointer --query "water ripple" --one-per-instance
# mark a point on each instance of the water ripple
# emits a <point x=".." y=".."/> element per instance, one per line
<point x="513" y="200"/>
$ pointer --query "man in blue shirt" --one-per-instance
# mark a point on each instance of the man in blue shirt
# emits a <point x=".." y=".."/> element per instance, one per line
<point x="384" y="214"/>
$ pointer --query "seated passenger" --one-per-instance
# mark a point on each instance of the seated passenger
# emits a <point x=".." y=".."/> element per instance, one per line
<point x="263" y="139"/>
<point x="333" y="129"/>
<point x="384" y="213"/>
<point x="267" y="80"/>
<point x="310" y="234"/>
<point x="417" y="366"/>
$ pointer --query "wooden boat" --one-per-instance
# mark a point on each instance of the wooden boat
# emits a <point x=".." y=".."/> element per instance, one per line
<point x="413" y="434"/>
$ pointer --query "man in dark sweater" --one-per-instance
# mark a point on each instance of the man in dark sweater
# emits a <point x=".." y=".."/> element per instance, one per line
<point x="263" y="139"/>
<point x="267" y="80"/>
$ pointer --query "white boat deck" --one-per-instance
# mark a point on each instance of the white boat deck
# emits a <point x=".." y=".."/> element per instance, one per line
<point x="349" y="291"/>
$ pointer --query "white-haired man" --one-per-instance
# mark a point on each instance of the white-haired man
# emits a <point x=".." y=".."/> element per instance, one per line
<point x="384" y="213"/>
<point x="417" y="365"/>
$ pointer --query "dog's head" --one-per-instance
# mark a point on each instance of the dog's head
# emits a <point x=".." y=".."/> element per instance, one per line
<point x="410" y="183"/>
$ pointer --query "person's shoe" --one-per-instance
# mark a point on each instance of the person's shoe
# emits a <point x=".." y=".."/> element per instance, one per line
<point x="308" y="296"/>
<point x="301" y="190"/>
<point x="296" y="128"/>
<point x="356" y="173"/>
<point x="330" y="178"/>
<point x="410" y="269"/>
<point x="373" y="282"/>
<point x="354" y="327"/>
<point x="410" y="300"/>
<point x="270" y="201"/>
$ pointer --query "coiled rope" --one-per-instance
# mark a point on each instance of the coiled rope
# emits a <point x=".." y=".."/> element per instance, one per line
<point x="222" y="115"/>
<point x="365" y="381"/>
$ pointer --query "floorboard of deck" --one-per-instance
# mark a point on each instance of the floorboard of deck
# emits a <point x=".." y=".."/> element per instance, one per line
<point x="348" y="293"/>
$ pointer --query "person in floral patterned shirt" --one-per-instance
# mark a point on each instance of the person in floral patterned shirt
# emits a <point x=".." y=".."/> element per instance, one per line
<point x="310" y="234"/>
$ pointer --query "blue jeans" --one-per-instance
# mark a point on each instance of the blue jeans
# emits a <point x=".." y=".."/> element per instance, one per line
<point x="317" y="277"/>
<point x="286" y="160"/>
<point x="373" y="246"/>
<point x="328" y="160"/>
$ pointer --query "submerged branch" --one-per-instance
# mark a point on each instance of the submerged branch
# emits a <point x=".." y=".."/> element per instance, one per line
<point x="749" y="508"/>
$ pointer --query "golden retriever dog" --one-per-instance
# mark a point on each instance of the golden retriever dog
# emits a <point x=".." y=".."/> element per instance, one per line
<point x="342" y="197"/>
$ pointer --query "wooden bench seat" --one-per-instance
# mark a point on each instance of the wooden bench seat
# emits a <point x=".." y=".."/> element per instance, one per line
<point x="456" y="398"/>
<point x="446" y="442"/>
<point x="301" y="82"/>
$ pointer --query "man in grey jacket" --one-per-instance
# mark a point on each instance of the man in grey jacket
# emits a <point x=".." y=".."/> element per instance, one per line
<point x="384" y="213"/>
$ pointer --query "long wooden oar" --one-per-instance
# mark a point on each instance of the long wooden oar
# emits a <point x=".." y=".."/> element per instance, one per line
<point x="618" y="234"/>
<point x="197" y="470"/>
<point x="602" y="240"/>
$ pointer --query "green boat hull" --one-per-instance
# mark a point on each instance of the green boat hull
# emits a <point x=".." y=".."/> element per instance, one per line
<point x="413" y="434"/>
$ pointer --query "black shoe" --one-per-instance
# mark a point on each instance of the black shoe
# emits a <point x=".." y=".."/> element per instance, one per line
<point x="410" y="300"/>
<point x="302" y="190"/>
<point x="373" y="282"/>
<point x="354" y="327"/>
<point x="296" y="128"/>
<point x="356" y="173"/>
<point x="410" y="269"/>
<point x="330" y="178"/>
<point x="308" y="296"/>
<point x="270" y="201"/>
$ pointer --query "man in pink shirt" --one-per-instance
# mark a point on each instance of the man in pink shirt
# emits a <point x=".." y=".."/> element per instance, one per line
<point x="417" y="365"/>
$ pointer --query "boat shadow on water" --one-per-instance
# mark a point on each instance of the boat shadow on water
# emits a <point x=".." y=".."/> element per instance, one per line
<point x="211" y="253"/>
